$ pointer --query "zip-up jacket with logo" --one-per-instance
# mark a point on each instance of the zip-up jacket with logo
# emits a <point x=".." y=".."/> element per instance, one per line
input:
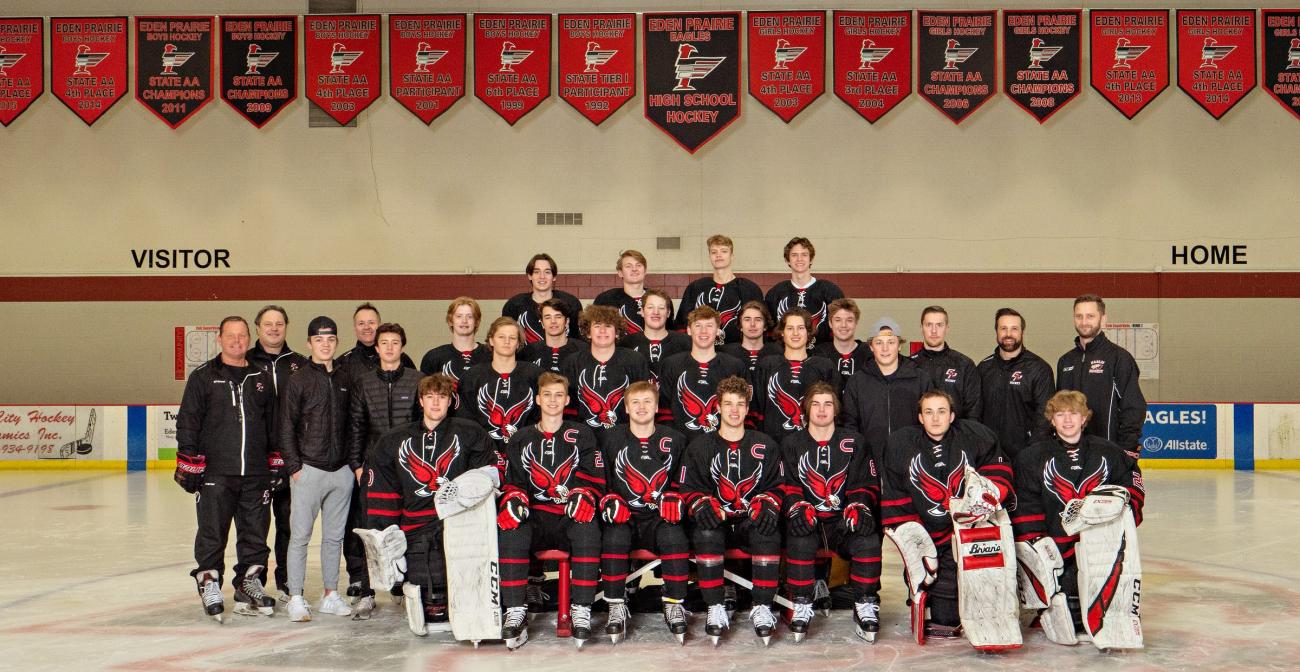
<point x="314" y="421"/>
<point x="1050" y="473"/>
<point x="410" y="463"/>
<point x="596" y="388"/>
<point x="641" y="470"/>
<point x="815" y="298"/>
<point x="955" y="374"/>
<point x="380" y="401"/>
<point x="921" y="474"/>
<point x="1108" y="375"/>
<point x="688" y="391"/>
<point x="280" y="367"/>
<point x="528" y="314"/>
<point x="547" y="465"/>
<point x="1016" y="392"/>
<point x="550" y="359"/>
<point x="733" y="473"/>
<point x="501" y="403"/>
<point x="829" y="475"/>
<point x="227" y="414"/>
<point x="878" y="405"/>
<point x="728" y="299"/>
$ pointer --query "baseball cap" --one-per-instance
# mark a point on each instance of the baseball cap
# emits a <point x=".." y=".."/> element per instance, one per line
<point x="322" y="326"/>
<point x="885" y="322"/>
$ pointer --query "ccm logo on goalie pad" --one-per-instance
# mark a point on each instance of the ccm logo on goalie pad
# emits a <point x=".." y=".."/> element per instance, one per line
<point x="983" y="547"/>
<point x="1100" y="604"/>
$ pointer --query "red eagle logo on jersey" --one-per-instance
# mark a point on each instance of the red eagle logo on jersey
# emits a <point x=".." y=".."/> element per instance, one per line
<point x="603" y="409"/>
<point x="552" y="484"/>
<point x="703" y="413"/>
<point x="727" y="316"/>
<point x="1062" y="487"/>
<point x="817" y="319"/>
<point x="786" y="403"/>
<point x="632" y="327"/>
<point x="645" y="491"/>
<point x="430" y="476"/>
<point x="825" y="488"/>
<point x="503" y="422"/>
<point x="734" y="495"/>
<point x="531" y="333"/>
<point x="937" y="491"/>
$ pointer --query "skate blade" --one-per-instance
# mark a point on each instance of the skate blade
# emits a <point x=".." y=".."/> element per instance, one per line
<point x="249" y="610"/>
<point x="798" y="637"/>
<point x="681" y="638"/>
<point x="615" y="638"/>
<point x="475" y="643"/>
<point x="516" y="642"/>
<point x="767" y="641"/>
<point x="219" y="618"/>
<point x="580" y="643"/>
<point x="867" y="636"/>
<point x="361" y="615"/>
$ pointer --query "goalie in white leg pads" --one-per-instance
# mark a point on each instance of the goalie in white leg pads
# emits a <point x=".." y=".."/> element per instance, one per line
<point x="985" y="555"/>
<point x="1085" y="494"/>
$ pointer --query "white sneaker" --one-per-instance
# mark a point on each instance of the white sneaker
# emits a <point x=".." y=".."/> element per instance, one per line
<point x="299" y="612"/>
<point x="333" y="604"/>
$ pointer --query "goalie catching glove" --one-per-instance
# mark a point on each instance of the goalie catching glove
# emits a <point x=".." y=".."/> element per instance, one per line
<point x="385" y="555"/>
<point x="465" y="491"/>
<point x="1104" y="504"/>
<point x="982" y="498"/>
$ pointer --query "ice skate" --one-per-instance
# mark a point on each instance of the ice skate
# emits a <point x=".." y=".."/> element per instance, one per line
<point x="210" y="594"/>
<point x="580" y="616"/>
<point x="765" y="622"/>
<point x="616" y="624"/>
<point x="363" y="607"/>
<point x="716" y="622"/>
<point x="515" y="628"/>
<point x="250" y="599"/>
<point x="866" y="618"/>
<point x="675" y="617"/>
<point x="803" y="615"/>
<point x="822" y="597"/>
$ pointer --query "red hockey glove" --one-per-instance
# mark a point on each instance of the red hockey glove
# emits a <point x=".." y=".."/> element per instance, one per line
<point x="763" y="513"/>
<point x="613" y="509"/>
<point x="858" y="519"/>
<point x="707" y="512"/>
<point x="275" y="464"/>
<point x="582" y="505"/>
<point x="802" y="519"/>
<point x="512" y="509"/>
<point x="189" y="471"/>
<point x="670" y="507"/>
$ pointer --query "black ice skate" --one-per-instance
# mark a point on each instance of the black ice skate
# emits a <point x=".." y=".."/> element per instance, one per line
<point x="675" y="617"/>
<point x="515" y="628"/>
<point x="580" y="616"/>
<point x="616" y="624"/>
<point x="250" y="598"/>
<point x="210" y="593"/>
<point x="716" y="622"/>
<point x="764" y="622"/>
<point x="866" y="617"/>
<point x="803" y="615"/>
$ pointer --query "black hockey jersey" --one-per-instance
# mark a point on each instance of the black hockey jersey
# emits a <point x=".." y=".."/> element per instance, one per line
<point x="688" y="391"/>
<point x="548" y="358"/>
<point x="628" y="307"/>
<point x="955" y="374"/>
<point x="447" y="359"/>
<point x="642" y="470"/>
<point x="501" y="402"/>
<point x="830" y="475"/>
<point x="751" y="358"/>
<point x="778" y="391"/>
<point x="726" y="298"/>
<point x="547" y="465"/>
<point x="529" y="314"/>
<point x="410" y="463"/>
<point x="596" y="388"/>
<point x="848" y="363"/>
<point x="814" y="298"/>
<point x="656" y="351"/>
<point x="733" y="473"/>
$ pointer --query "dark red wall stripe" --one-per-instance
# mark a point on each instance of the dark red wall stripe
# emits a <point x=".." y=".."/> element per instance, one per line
<point x="1208" y="285"/>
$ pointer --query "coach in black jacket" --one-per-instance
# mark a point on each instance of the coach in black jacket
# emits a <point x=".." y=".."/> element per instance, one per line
<point x="1107" y="375"/>
<point x="1016" y="385"/>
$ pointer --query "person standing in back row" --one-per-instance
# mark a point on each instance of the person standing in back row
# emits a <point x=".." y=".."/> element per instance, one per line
<point x="1107" y="375"/>
<point x="804" y="291"/>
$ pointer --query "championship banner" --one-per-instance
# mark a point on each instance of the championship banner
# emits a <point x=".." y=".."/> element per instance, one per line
<point x="873" y="60"/>
<point x="956" y="62"/>
<point x="1216" y="57"/>
<point x="1042" y="62"/>
<point x="787" y="60"/>
<point x="1281" y="57"/>
<point x="597" y="63"/>
<point x="1130" y="56"/>
<point x="692" y="74"/>
<point x="88" y="58"/>
<point x="22" y="65"/>
<point x="426" y="62"/>
<point x="343" y="56"/>
<point x="259" y="65"/>
<point x="173" y="65"/>
<point x="512" y="62"/>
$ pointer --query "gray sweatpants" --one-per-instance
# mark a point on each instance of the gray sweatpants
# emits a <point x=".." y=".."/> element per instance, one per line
<point x="318" y="492"/>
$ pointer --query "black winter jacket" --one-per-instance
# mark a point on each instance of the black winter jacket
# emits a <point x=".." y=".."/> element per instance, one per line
<point x="314" y="421"/>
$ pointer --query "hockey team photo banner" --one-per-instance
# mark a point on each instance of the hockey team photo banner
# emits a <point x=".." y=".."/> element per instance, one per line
<point x="22" y="65"/>
<point x="692" y="74"/>
<point x="1216" y="57"/>
<point x="426" y="62"/>
<point x="173" y="65"/>
<point x="1281" y="29"/>
<point x="597" y="63"/>
<point x="956" y="62"/>
<point x="512" y="62"/>
<point x="88" y="64"/>
<point x="1129" y="49"/>
<point x="343" y="57"/>
<point x="787" y="60"/>
<point x="1042" y="58"/>
<point x="259" y="65"/>
<point x="872" y="69"/>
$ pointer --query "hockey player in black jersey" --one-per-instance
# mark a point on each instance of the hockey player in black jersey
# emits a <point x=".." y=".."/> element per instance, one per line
<point x="831" y="489"/>
<point x="627" y="299"/>
<point x="655" y="343"/>
<point x="526" y="308"/>
<point x="731" y="487"/>
<point x="499" y="394"/>
<point x="781" y="379"/>
<point x="557" y="344"/>
<point x="724" y="291"/>
<point x="689" y="380"/>
<point x="755" y="323"/>
<point x="643" y="509"/>
<point x="550" y="496"/>
<point x="843" y="347"/>
<point x="803" y="290"/>
<point x="924" y="467"/>
<point x="599" y="375"/>
<point x="949" y="370"/>
<point x="463" y="352"/>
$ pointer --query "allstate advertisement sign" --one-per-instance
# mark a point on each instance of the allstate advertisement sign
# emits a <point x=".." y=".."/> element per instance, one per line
<point x="1180" y="431"/>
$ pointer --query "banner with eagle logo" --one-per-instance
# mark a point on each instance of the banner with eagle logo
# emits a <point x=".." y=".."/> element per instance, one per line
<point x="342" y="57"/>
<point x="873" y="60"/>
<point x="1282" y="57"/>
<point x="173" y="65"/>
<point x="1042" y="58"/>
<point x="956" y="60"/>
<point x="1216" y="57"/>
<point x="259" y="65"/>
<point x="597" y="63"/>
<point x="692" y="74"/>
<point x="512" y="62"/>
<point x="22" y="65"/>
<point x="787" y="60"/>
<point x="88" y="58"/>
<point x="1130" y="56"/>
<point x="426" y="62"/>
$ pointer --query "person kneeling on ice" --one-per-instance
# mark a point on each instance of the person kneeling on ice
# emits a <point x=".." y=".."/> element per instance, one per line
<point x="403" y="475"/>
<point x="731" y="490"/>
<point x="945" y="475"/>
<point x="831" y="488"/>
<point x="1080" y="500"/>
<point x="554" y="480"/>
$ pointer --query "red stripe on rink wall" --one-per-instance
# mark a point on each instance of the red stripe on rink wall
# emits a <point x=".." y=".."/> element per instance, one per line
<point x="1210" y="285"/>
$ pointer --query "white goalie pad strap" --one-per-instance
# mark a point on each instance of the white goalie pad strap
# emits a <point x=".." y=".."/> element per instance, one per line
<point x="1057" y="623"/>
<point x="920" y="558"/>
<point x="1039" y="567"/>
<point x="385" y="555"/>
<point x="1110" y="583"/>
<point x="1103" y="505"/>
<point x="466" y="491"/>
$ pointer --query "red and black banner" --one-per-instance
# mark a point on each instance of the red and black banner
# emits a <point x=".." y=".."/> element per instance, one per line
<point x="1042" y="58"/>
<point x="88" y="64"/>
<point x="1216" y="57"/>
<point x="173" y="65"/>
<point x="597" y="63"/>
<point x="259" y="65"/>
<point x="512" y="62"/>
<point x="873" y="60"/>
<point x="343" y="55"/>
<point x="957" y="60"/>
<point x="1130" y="56"/>
<point x="787" y="60"/>
<point x="22" y="65"/>
<point x="692" y="74"/>
<point x="1282" y="56"/>
<point x="426" y="62"/>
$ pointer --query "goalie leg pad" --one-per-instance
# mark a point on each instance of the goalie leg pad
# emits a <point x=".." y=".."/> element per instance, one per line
<point x="986" y="582"/>
<point x="1110" y="583"/>
<point x="920" y="559"/>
